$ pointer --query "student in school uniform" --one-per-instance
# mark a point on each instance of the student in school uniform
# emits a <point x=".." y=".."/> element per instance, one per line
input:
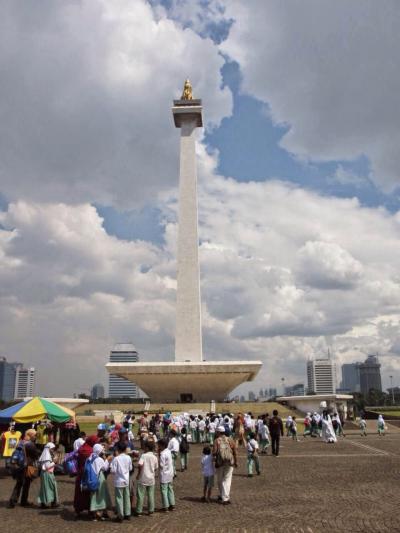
<point x="173" y="446"/>
<point x="146" y="478"/>
<point x="48" y="494"/>
<point x="100" y="500"/>
<point x="184" y="450"/>
<point x="252" y="455"/>
<point x="166" y="476"/>
<point x="121" y="466"/>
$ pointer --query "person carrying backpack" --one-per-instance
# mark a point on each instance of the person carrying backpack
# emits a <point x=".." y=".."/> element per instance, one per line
<point x="23" y="463"/>
<point x="97" y="465"/>
<point x="224" y="452"/>
<point x="82" y="497"/>
<point x="184" y="450"/>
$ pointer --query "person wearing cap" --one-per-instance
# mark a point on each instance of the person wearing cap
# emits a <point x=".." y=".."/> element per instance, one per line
<point x="102" y="434"/>
<point x="224" y="452"/>
<point x="23" y="481"/>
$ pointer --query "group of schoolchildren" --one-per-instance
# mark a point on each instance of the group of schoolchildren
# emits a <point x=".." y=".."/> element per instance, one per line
<point x="112" y="451"/>
<point x="313" y="424"/>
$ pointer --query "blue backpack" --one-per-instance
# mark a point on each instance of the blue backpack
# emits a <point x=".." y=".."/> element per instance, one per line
<point x="17" y="459"/>
<point x="90" y="480"/>
<point x="71" y="464"/>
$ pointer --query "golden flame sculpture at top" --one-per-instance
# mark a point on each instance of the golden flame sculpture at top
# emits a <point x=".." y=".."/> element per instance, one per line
<point x="187" y="91"/>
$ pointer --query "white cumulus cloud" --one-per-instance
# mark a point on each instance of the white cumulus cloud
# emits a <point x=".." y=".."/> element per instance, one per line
<point x="330" y="72"/>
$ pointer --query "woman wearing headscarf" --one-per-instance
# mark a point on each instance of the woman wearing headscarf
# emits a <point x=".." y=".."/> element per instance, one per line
<point x="82" y="498"/>
<point x="239" y="430"/>
<point x="48" y="494"/>
<point x="328" y="433"/>
<point x="114" y="434"/>
<point x="100" y="500"/>
<point x="22" y="477"/>
<point x="381" y="425"/>
<point x="288" y="425"/>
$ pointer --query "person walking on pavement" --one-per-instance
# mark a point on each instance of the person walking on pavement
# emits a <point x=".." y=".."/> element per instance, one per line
<point x="224" y="452"/>
<point x="276" y="432"/>
<point x="24" y="476"/>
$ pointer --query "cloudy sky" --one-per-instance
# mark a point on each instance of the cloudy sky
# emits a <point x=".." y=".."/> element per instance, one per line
<point x="299" y="189"/>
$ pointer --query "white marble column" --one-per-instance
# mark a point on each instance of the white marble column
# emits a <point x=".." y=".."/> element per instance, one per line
<point x="188" y="338"/>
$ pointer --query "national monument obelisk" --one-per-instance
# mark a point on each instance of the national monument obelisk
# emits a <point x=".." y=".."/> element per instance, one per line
<point x="188" y="378"/>
<point x="187" y="114"/>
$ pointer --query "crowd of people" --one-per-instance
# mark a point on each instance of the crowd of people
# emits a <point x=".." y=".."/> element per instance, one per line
<point x="136" y="451"/>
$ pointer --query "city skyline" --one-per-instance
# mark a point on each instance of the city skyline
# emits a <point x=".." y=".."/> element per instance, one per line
<point x="298" y="179"/>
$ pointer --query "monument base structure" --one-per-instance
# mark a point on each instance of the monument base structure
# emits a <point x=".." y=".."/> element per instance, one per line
<point x="187" y="381"/>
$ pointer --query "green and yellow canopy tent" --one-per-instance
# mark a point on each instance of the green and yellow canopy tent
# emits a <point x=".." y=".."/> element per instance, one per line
<point x="34" y="410"/>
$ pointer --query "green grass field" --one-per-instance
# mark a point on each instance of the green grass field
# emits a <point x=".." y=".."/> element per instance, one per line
<point x="389" y="413"/>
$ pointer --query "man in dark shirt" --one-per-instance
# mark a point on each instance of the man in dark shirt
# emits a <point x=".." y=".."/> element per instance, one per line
<point x="275" y="427"/>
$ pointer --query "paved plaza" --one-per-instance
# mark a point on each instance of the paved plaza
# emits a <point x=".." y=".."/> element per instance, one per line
<point x="312" y="487"/>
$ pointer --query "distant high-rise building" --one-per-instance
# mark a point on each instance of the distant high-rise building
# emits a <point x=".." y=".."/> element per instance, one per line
<point x="121" y="387"/>
<point x="271" y="392"/>
<point x="24" y="381"/>
<point x="242" y="398"/>
<point x="7" y="379"/>
<point x="295" y="390"/>
<point x="350" y="377"/>
<point x="321" y="376"/>
<point x="261" y="393"/>
<point x="370" y="374"/>
<point x="97" y="391"/>
<point x="252" y="396"/>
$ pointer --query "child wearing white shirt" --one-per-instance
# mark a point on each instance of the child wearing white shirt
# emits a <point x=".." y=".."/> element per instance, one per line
<point x="211" y="430"/>
<point x="202" y="429"/>
<point x="252" y="455"/>
<point x="208" y="470"/>
<point x="173" y="447"/>
<point x="148" y="464"/>
<point x="120" y="466"/>
<point x="193" y="429"/>
<point x="79" y="441"/>
<point x="166" y="476"/>
<point x="264" y="437"/>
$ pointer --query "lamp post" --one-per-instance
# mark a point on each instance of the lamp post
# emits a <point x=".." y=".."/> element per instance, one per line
<point x="391" y="386"/>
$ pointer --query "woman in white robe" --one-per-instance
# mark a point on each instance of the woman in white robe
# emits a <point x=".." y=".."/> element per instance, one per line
<point x="381" y="425"/>
<point x="328" y="433"/>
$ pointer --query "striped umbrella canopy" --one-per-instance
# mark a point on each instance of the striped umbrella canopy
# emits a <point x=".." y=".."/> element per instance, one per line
<point x="36" y="409"/>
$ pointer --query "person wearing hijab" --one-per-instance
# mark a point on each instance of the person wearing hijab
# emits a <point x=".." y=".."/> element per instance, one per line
<point x="100" y="500"/>
<point x="82" y="498"/>
<point x="23" y="481"/>
<point x="238" y="427"/>
<point x="288" y="425"/>
<point x="48" y="494"/>
<point x="381" y="426"/>
<point x="328" y="433"/>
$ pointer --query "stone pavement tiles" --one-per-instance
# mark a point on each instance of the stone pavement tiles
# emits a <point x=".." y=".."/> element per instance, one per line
<point x="312" y="487"/>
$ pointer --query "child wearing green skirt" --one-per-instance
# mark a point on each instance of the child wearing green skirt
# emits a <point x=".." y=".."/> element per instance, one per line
<point x="48" y="494"/>
<point x="100" y="500"/>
